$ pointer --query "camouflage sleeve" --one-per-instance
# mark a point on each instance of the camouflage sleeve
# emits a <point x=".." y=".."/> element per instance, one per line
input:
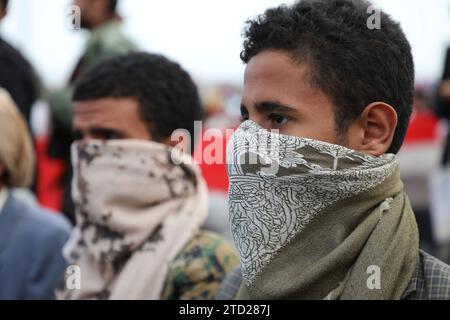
<point x="197" y="272"/>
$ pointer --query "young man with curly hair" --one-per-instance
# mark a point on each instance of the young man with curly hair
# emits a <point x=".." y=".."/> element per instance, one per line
<point x="333" y="221"/>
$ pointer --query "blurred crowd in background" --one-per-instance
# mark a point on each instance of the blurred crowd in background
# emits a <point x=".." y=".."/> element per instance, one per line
<point x="32" y="70"/>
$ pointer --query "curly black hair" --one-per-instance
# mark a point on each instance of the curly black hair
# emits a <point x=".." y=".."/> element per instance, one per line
<point x="351" y="63"/>
<point x="167" y="96"/>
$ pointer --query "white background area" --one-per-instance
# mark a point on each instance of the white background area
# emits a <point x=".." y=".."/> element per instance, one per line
<point x="203" y="35"/>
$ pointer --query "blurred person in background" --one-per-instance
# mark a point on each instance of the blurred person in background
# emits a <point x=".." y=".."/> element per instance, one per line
<point x="106" y="39"/>
<point x="31" y="239"/>
<point x="140" y="206"/>
<point x="443" y="104"/>
<point x="424" y="125"/>
<point x="218" y="120"/>
<point x="329" y="219"/>
<point x="17" y="76"/>
<point x="423" y="144"/>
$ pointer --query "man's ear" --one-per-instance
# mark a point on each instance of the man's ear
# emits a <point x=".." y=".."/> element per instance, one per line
<point x="378" y="122"/>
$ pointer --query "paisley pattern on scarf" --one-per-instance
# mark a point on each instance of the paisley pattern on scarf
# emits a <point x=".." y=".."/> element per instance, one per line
<point x="268" y="208"/>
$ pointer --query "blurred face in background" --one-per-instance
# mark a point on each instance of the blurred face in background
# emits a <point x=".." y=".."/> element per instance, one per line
<point x="420" y="102"/>
<point x="93" y="12"/>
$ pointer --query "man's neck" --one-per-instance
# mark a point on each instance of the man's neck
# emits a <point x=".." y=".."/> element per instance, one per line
<point x="107" y="18"/>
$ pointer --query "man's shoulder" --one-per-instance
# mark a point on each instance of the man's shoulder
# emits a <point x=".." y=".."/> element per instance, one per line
<point x="209" y="252"/>
<point x="7" y="50"/>
<point x="198" y="270"/>
<point x="209" y="243"/>
<point x="431" y="281"/>
<point x="230" y="285"/>
<point x="37" y="224"/>
<point x="13" y="58"/>
<point x="437" y="276"/>
<point x="109" y="40"/>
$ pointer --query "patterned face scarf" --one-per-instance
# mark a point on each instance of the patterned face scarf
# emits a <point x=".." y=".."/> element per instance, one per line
<point x="136" y="210"/>
<point x="313" y="220"/>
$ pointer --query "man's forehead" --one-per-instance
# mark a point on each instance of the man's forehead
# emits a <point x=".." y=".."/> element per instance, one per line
<point x="80" y="108"/>
<point x="105" y="105"/>
<point x="276" y="70"/>
<point x="102" y="112"/>
<point x="273" y="76"/>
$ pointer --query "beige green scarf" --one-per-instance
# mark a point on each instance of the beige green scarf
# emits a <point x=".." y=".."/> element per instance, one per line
<point x="137" y="204"/>
<point x="312" y="220"/>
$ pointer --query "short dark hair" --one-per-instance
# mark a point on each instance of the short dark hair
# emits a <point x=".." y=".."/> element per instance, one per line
<point x="167" y="96"/>
<point x="112" y="5"/>
<point x="4" y="3"/>
<point x="352" y="64"/>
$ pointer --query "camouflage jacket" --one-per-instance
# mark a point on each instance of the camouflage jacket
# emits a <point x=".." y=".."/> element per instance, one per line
<point x="198" y="270"/>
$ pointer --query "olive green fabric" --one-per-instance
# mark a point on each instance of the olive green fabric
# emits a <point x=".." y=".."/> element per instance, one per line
<point x="337" y="246"/>
<point x="105" y="41"/>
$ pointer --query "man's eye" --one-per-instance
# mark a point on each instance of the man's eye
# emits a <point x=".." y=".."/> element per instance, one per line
<point x="278" y="120"/>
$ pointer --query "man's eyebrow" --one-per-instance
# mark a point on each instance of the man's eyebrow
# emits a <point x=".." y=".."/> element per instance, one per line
<point x="270" y="106"/>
